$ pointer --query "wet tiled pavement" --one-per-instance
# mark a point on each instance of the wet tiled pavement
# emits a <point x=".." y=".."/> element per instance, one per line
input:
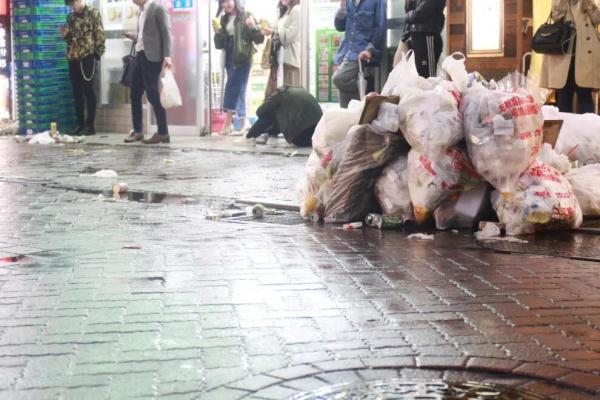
<point x="116" y="300"/>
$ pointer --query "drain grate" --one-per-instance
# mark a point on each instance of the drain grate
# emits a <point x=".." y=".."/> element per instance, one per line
<point x="398" y="389"/>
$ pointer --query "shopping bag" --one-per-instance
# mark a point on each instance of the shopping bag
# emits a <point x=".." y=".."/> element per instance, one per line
<point x="169" y="94"/>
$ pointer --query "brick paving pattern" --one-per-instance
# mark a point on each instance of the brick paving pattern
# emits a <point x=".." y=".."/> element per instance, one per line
<point x="217" y="310"/>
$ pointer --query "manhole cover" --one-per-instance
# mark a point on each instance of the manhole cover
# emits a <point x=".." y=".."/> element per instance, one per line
<point x="554" y="244"/>
<point x="419" y="390"/>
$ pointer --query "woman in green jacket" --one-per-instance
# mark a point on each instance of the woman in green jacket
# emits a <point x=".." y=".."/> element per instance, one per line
<point x="236" y="33"/>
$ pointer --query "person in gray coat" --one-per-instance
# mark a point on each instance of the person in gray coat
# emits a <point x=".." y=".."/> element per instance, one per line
<point x="153" y="54"/>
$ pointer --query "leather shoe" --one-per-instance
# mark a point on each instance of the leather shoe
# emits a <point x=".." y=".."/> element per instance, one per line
<point x="88" y="130"/>
<point x="76" y="131"/>
<point x="157" y="138"/>
<point x="134" y="137"/>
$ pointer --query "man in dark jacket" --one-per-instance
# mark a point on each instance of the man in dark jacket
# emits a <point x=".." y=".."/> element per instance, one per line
<point x="424" y="23"/>
<point x="290" y="110"/>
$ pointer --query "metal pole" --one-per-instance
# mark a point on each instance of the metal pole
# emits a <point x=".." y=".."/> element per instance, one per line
<point x="305" y="32"/>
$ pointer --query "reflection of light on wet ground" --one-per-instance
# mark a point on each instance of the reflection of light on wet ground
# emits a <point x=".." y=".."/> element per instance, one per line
<point x="422" y="390"/>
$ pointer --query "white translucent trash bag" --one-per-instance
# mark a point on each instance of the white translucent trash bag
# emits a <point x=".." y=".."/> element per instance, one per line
<point x="391" y="189"/>
<point x="585" y="182"/>
<point x="543" y="200"/>
<point x="431" y="179"/>
<point x="430" y="119"/>
<point x="504" y="132"/>
<point x="334" y="126"/>
<point x="580" y="137"/>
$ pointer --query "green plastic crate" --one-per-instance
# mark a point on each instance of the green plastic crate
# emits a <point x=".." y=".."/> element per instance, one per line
<point x="36" y="40"/>
<point x="36" y="90"/>
<point x="42" y="10"/>
<point x="27" y="108"/>
<point x="39" y="55"/>
<point x="34" y="26"/>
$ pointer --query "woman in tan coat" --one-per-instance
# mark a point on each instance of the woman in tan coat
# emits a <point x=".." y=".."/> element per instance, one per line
<point x="579" y="70"/>
<point x="286" y="34"/>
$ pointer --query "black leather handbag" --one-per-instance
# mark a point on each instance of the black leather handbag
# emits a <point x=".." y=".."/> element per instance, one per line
<point x="128" y="64"/>
<point x="553" y="38"/>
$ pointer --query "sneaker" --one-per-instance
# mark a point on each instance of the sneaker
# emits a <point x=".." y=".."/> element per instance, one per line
<point x="262" y="139"/>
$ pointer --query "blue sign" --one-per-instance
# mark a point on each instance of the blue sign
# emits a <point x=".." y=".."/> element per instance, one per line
<point x="183" y="4"/>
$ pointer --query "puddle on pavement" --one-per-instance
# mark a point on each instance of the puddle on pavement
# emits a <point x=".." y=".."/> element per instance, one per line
<point x="567" y="244"/>
<point x="142" y="196"/>
<point x="422" y="390"/>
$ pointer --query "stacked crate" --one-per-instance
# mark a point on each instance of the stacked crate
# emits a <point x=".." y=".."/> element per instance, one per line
<point x="43" y="87"/>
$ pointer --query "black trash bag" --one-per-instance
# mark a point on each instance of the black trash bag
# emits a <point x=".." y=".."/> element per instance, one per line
<point x="352" y="194"/>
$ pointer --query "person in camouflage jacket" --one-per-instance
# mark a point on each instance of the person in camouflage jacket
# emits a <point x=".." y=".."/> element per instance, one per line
<point x="84" y="35"/>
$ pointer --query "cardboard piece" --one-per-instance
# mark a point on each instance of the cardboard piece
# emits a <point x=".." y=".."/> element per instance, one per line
<point x="372" y="104"/>
<point x="551" y="131"/>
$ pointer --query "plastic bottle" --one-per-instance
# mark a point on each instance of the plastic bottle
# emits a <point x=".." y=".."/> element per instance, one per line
<point x="53" y="130"/>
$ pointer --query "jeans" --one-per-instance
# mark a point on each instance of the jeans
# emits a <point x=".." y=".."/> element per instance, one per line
<point x="346" y="81"/>
<point x="564" y="96"/>
<point x="83" y="77"/>
<point x="145" y="77"/>
<point x="234" y="99"/>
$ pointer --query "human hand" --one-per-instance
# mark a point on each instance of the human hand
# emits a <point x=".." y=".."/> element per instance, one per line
<point x="167" y="63"/>
<point x="266" y="31"/>
<point x="64" y="31"/>
<point x="250" y="23"/>
<point x="130" y="35"/>
<point x="365" y="56"/>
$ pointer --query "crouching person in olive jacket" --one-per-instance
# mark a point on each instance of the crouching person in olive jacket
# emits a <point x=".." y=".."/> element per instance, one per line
<point x="291" y="111"/>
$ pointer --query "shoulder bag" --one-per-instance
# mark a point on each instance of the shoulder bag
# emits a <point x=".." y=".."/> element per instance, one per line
<point x="553" y="37"/>
<point x="128" y="64"/>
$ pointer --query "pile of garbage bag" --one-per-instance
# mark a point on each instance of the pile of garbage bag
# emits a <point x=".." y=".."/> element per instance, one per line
<point x="444" y="150"/>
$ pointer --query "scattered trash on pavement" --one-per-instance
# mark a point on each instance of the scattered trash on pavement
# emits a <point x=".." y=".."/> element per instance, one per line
<point x="257" y="211"/>
<point x="12" y="259"/>
<point x="421" y="236"/>
<point x="352" y="226"/>
<point x="8" y="127"/>
<point x="490" y="230"/>
<point x="120" y="187"/>
<point x="132" y="247"/>
<point x="384" y="222"/>
<point x="167" y="161"/>
<point x="105" y="173"/>
<point x="45" y="138"/>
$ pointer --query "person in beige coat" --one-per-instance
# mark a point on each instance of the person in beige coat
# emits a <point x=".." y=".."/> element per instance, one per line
<point x="286" y="37"/>
<point x="579" y="70"/>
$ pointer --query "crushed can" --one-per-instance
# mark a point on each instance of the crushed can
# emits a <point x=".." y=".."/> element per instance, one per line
<point x="384" y="222"/>
<point x="257" y="211"/>
<point x="315" y="217"/>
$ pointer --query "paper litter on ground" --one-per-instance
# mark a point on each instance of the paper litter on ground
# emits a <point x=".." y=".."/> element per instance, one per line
<point x="421" y="236"/>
